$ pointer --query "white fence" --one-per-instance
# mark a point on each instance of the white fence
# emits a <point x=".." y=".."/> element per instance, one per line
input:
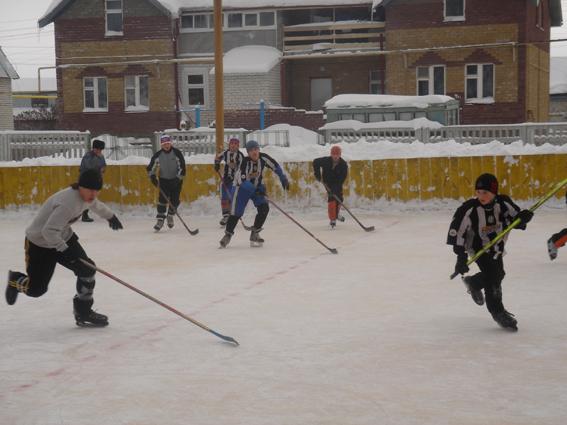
<point x="17" y="145"/>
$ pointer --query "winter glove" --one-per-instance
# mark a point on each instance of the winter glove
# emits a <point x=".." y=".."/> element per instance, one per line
<point x="259" y="192"/>
<point x="525" y="216"/>
<point x="114" y="223"/>
<point x="461" y="266"/>
<point x="71" y="255"/>
<point x="217" y="166"/>
<point x="285" y="184"/>
<point x="153" y="178"/>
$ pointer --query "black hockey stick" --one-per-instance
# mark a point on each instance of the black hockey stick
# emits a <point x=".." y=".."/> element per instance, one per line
<point x="229" y="197"/>
<point x="368" y="229"/>
<point x="92" y="266"/>
<point x="333" y="250"/>
<point x="511" y="226"/>
<point x="193" y="232"/>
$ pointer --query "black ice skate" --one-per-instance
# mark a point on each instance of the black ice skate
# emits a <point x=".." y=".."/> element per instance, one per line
<point x="551" y="249"/>
<point x="476" y="295"/>
<point x="158" y="225"/>
<point x="255" y="239"/>
<point x="226" y="239"/>
<point x="506" y="320"/>
<point x="170" y="221"/>
<point x="90" y="318"/>
<point x="224" y="220"/>
<point x="340" y="218"/>
<point x="13" y="287"/>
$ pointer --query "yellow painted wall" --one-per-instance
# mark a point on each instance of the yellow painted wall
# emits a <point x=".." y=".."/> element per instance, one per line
<point x="523" y="177"/>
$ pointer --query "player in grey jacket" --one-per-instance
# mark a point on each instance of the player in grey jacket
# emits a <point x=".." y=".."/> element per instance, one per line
<point x="50" y="240"/>
<point x="172" y="170"/>
<point x="93" y="159"/>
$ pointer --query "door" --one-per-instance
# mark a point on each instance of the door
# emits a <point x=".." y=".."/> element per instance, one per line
<point x="321" y="91"/>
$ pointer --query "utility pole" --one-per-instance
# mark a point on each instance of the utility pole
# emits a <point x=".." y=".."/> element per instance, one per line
<point x="219" y="84"/>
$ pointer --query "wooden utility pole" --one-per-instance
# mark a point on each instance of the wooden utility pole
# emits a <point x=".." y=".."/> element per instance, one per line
<point x="219" y="85"/>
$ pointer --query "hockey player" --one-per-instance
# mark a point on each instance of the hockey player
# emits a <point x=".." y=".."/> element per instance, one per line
<point x="475" y="223"/>
<point x="248" y="187"/>
<point x="556" y="241"/>
<point x="232" y="158"/>
<point x="93" y="159"/>
<point x="172" y="169"/>
<point x="50" y="240"/>
<point x="335" y="171"/>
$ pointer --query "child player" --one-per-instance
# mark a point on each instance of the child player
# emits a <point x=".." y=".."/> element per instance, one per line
<point x="232" y="158"/>
<point x="475" y="224"/>
<point x="556" y="241"/>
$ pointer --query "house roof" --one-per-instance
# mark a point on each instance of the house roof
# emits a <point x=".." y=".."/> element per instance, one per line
<point x="173" y="7"/>
<point x="57" y="7"/>
<point x="555" y="13"/>
<point x="6" y="68"/>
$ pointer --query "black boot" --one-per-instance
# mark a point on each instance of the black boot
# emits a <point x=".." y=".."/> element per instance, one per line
<point x="506" y="320"/>
<point x="255" y="239"/>
<point x="84" y="314"/>
<point x="15" y="285"/>
<point x="226" y="239"/>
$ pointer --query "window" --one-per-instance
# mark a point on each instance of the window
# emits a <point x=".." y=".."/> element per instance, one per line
<point x="195" y="87"/>
<point x="431" y="80"/>
<point x="454" y="10"/>
<point x="113" y="14"/>
<point x="137" y="93"/>
<point x="95" y="94"/>
<point x="376" y="82"/>
<point x="38" y="102"/>
<point x="233" y="21"/>
<point x="480" y="81"/>
<point x="356" y="117"/>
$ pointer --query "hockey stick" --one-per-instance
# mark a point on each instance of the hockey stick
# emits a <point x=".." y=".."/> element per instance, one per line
<point x="511" y="226"/>
<point x="92" y="266"/>
<point x="333" y="250"/>
<point x="368" y="229"/>
<point x="193" y="232"/>
<point x="230" y="197"/>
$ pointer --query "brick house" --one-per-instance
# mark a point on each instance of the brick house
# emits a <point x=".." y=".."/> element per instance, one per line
<point x="7" y="74"/>
<point x="491" y="56"/>
<point x="137" y="66"/>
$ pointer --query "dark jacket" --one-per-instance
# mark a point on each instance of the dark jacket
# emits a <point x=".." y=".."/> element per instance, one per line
<point x="333" y="176"/>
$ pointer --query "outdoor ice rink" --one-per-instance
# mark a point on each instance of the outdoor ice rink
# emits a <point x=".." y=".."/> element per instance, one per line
<point x="376" y="334"/>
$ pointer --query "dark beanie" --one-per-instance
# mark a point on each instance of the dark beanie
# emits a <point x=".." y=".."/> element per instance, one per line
<point x="98" y="144"/>
<point x="91" y="179"/>
<point x="251" y="145"/>
<point x="487" y="182"/>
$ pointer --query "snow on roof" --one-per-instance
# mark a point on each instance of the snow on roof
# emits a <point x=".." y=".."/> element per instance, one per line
<point x="6" y="68"/>
<point x="357" y="125"/>
<point x="558" y="75"/>
<point x="250" y="60"/>
<point x="30" y="85"/>
<point x="383" y="101"/>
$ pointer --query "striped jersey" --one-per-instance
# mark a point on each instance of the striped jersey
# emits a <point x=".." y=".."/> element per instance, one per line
<point x="474" y="226"/>
<point x="232" y="161"/>
<point x="254" y="171"/>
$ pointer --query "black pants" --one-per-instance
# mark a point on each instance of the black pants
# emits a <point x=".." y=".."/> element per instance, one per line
<point x="490" y="279"/>
<point x="171" y="193"/>
<point x="40" y="266"/>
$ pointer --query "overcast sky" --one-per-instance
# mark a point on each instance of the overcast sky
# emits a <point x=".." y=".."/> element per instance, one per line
<point x="29" y="48"/>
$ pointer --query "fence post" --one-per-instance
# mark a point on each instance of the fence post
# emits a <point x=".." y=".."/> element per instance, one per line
<point x="262" y="116"/>
<point x="197" y="116"/>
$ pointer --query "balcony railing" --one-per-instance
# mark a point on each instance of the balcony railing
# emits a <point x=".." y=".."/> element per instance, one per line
<point x="333" y="35"/>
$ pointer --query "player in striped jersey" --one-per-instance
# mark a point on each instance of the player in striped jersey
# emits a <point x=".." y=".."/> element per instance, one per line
<point x="249" y="186"/>
<point x="475" y="224"/>
<point x="232" y="158"/>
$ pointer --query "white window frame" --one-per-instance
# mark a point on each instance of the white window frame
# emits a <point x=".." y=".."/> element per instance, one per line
<point x="205" y="86"/>
<point x="243" y="27"/>
<point x="132" y="83"/>
<point x="479" y="77"/>
<point x="96" y="94"/>
<point x="430" y="79"/>
<point x="454" y="17"/>
<point x="107" y="12"/>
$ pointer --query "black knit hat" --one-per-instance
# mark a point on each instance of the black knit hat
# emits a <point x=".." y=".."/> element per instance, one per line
<point x="91" y="179"/>
<point x="98" y="144"/>
<point x="252" y="144"/>
<point x="487" y="182"/>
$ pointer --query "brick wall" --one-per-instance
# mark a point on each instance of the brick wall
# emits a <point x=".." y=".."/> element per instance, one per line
<point x="6" y="110"/>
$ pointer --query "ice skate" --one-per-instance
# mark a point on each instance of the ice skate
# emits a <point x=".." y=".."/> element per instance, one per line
<point x="90" y="318"/>
<point x="551" y="249"/>
<point x="224" y="220"/>
<point x="255" y="239"/>
<point x="506" y="320"/>
<point x="158" y="225"/>
<point x="476" y="295"/>
<point x="333" y="223"/>
<point x="226" y="239"/>
<point x="170" y="221"/>
<point x="340" y="218"/>
<point x="12" y="287"/>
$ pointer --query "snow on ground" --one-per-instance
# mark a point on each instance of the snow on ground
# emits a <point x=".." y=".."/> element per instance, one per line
<point x="376" y="334"/>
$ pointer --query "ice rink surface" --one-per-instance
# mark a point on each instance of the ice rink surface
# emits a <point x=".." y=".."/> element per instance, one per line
<point x="376" y="334"/>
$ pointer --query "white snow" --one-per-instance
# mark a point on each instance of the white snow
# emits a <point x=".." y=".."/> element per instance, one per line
<point x="250" y="60"/>
<point x="384" y="100"/>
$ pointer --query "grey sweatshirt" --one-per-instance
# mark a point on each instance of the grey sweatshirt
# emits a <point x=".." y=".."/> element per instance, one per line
<point x="51" y="227"/>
